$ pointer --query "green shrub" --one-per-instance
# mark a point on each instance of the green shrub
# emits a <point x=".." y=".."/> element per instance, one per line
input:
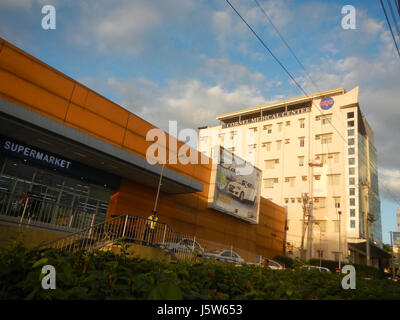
<point x="105" y="275"/>
<point x="287" y="262"/>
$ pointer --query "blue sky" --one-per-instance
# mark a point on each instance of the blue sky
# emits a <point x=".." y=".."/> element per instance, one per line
<point x="192" y="60"/>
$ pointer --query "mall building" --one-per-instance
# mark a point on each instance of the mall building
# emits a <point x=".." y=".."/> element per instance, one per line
<point x="84" y="159"/>
<point x="320" y="146"/>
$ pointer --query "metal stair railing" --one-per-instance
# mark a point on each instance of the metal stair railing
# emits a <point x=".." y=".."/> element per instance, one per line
<point x="130" y="228"/>
<point x="95" y="236"/>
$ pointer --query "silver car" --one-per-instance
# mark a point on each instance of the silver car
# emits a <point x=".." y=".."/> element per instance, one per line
<point x="224" y="256"/>
<point x="185" y="245"/>
<point x="316" y="268"/>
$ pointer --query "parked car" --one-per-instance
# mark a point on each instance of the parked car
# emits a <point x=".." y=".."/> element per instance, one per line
<point x="396" y="278"/>
<point x="224" y="256"/>
<point x="243" y="191"/>
<point x="272" y="264"/>
<point x="265" y="262"/>
<point x="316" y="268"/>
<point x="185" y="245"/>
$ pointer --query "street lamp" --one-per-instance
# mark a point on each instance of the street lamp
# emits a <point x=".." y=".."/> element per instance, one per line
<point x="159" y="184"/>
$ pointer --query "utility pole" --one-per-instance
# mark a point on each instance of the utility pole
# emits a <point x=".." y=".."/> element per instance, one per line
<point x="398" y="220"/>
<point x="305" y="199"/>
<point x="311" y="208"/>
<point x="340" y="240"/>
<point x="365" y="200"/>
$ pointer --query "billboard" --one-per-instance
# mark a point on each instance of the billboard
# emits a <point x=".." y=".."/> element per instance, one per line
<point x="237" y="187"/>
<point x="396" y="239"/>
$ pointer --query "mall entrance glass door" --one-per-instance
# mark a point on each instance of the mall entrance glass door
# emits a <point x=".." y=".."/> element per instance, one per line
<point x="17" y="178"/>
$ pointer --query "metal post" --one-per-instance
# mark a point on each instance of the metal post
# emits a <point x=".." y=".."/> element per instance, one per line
<point x="91" y="226"/>
<point x="158" y="189"/>
<point x="23" y="212"/>
<point x="123" y="232"/>
<point x="165" y="231"/>
<point x="340" y="240"/>
<point x="391" y="244"/>
<point x="320" y="251"/>
<point x="70" y="221"/>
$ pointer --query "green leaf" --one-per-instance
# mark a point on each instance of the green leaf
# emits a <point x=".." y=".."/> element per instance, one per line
<point x="165" y="291"/>
<point x="39" y="263"/>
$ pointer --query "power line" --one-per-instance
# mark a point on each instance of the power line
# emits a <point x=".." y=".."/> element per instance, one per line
<point x="266" y="47"/>
<point x="390" y="27"/>
<point x="298" y="85"/>
<point x="287" y="45"/>
<point x="394" y="17"/>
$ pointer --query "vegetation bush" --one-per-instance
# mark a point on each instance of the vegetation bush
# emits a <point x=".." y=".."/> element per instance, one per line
<point x="105" y="275"/>
<point x="362" y="270"/>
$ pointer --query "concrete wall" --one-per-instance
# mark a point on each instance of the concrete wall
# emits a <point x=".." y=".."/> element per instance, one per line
<point x="31" y="237"/>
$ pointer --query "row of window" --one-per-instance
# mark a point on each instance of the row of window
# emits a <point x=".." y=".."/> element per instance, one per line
<point x="332" y="179"/>
<point x="268" y="127"/>
<point x="352" y="170"/>
<point x="319" y="202"/>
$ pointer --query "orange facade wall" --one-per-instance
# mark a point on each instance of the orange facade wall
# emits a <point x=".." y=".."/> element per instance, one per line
<point x="188" y="213"/>
<point x="31" y="83"/>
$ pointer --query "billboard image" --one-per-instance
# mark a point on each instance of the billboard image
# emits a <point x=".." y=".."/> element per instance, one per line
<point x="237" y="187"/>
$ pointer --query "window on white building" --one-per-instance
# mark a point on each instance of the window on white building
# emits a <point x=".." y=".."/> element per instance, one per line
<point x="333" y="179"/>
<point x="352" y="170"/>
<point x="352" y="212"/>
<point x="337" y="202"/>
<point x="351" y="151"/>
<point x="268" y="146"/>
<point x="351" y="142"/>
<point x="352" y="224"/>
<point x="301" y="141"/>
<point x="302" y="123"/>
<point x="352" y="181"/>
<point x="269" y="183"/>
<point x="326" y="120"/>
<point x="268" y="127"/>
<point x="320" y="202"/>
<point x="301" y="161"/>
<point x="290" y="180"/>
<point x="278" y="144"/>
<point x="270" y="164"/>
<point x="280" y="126"/>
<point x="350" y="115"/>
<point x="326" y="139"/>
<point x="350" y="123"/>
<point x="352" y="161"/>
<point x="352" y="201"/>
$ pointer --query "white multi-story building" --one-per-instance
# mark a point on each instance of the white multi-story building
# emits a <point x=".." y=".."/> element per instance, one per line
<point x="320" y="145"/>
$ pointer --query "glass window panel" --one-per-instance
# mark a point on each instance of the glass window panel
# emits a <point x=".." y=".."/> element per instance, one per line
<point x="19" y="170"/>
<point x="6" y="184"/>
